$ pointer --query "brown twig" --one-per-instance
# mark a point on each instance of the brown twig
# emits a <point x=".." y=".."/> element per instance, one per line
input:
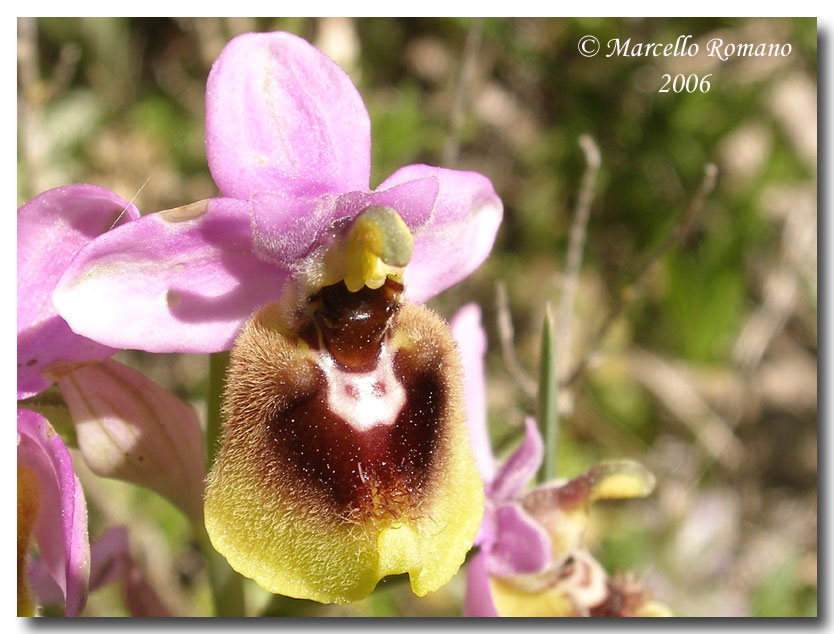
<point x="32" y="141"/>
<point x="461" y="95"/>
<point x="506" y="337"/>
<point x="782" y="290"/>
<point x="576" y="247"/>
<point x="68" y="59"/>
<point x="713" y="433"/>
<point x="678" y="232"/>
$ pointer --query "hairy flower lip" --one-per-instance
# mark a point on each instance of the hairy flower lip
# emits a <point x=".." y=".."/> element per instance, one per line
<point x="401" y="443"/>
<point x="397" y="454"/>
<point x="364" y="400"/>
<point x="382" y="497"/>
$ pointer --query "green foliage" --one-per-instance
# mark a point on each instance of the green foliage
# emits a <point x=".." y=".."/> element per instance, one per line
<point x="627" y="405"/>
<point x="171" y="127"/>
<point x="626" y="548"/>
<point x="783" y="593"/>
<point x="703" y="307"/>
<point x="401" y="132"/>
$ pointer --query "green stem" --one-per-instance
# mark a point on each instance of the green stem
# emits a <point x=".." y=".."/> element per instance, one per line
<point x="548" y="400"/>
<point x="226" y="584"/>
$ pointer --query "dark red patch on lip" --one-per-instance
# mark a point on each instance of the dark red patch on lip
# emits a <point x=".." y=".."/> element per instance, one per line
<point x="375" y="472"/>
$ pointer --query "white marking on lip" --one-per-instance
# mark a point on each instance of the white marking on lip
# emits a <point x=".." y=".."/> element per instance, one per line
<point x="364" y="399"/>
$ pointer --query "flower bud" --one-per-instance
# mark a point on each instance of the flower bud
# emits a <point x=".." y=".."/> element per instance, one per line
<point x="131" y="429"/>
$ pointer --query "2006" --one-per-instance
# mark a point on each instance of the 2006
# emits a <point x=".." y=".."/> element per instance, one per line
<point x="681" y="83"/>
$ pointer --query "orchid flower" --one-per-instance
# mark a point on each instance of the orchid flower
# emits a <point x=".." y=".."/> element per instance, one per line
<point x="288" y="144"/>
<point x="344" y="454"/>
<point x="50" y="231"/>
<point x="532" y="560"/>
<point x="126" y="426"/>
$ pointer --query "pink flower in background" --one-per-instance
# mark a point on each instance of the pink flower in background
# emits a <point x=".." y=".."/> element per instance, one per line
<point x="288" y="144"/>
<point x="51" y="229"/>
<point x="511" y="542"/>
<point x="532" y="560"/>
<point x="52" y="508"/>
<point x="126" y="425"/>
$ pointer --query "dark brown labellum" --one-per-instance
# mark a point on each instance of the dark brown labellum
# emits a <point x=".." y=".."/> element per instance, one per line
<point x="344" y="454"/>
<point x="351" y="411"/>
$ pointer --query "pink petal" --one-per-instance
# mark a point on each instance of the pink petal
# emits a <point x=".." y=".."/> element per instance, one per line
<point x="478" y="599"/>
<point x="413" y="199"/>
<point x="285" y="227"/>
<point x="43" y="585"/>
<point x="112" y="561"/>
<point x="486" y="533"/>
<point x="282" y="116"/>
<point x="109" y="561"/>
<point x="61" y="526"/>
<point x="521" y="466"/>
<point x="131" y="429"/>
<point x="181" y="280"/>
<point x="51" y="229"/>
<point x="472" y="343"/>
<point x="521" y="544"/>
<point x="460" y="233"/>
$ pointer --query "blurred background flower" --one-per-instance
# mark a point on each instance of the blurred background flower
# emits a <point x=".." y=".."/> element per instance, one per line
<point x="123" y="424"/>
<point x="705" y="372"/>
